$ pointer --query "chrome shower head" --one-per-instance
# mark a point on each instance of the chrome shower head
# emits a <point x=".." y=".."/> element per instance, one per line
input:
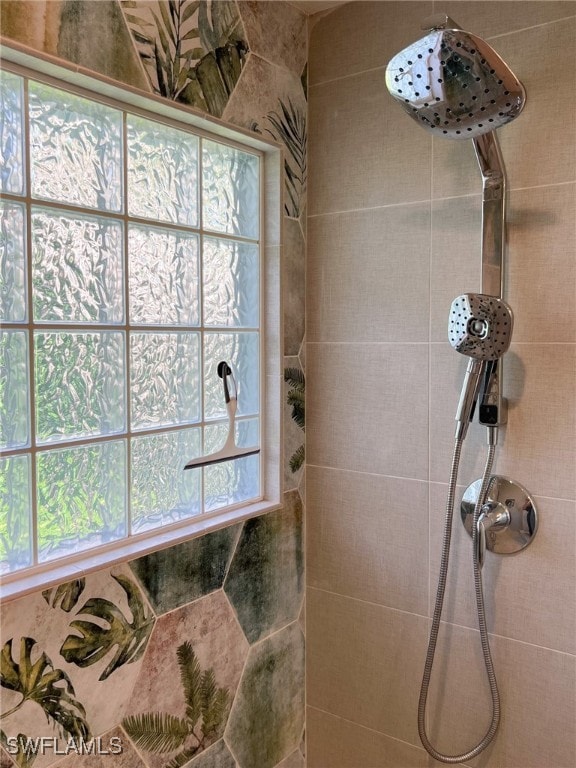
<point x="454" y="84"/>
<point x="480" y="326"/>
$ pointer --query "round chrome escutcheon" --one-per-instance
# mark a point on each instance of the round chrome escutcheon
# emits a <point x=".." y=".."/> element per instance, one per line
<point x="507" y="496"/>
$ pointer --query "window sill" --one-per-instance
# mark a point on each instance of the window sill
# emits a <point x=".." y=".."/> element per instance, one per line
<point x="14" y="586"/>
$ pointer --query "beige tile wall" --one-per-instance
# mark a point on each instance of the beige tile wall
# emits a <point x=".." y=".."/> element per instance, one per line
<point x="394" y="236"/>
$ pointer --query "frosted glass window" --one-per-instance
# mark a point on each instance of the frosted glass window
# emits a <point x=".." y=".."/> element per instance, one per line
<point x="14" y="421"/>
<point x="164" y="382"/>
<point x="230" y="186"/>
<point x="79" y="385"/>
<point x="77" y="268"/>
<point x="75" y="149"/>
<point x="231" y="283"/>
<point x="162" y="172"/>
<point x="13" y="262"/>
<point x="163" y="276"/>
<point x="81" y="498"/>
<point x="15" y="517"/>
<point x="11" y="134"/>
<point x="129" y="270"/>
<point x="161" y="493"/>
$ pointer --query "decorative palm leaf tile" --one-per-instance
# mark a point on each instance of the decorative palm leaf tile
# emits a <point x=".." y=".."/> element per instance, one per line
<point x="187" y="682"/>
<point x="294" y="421"/>
<point x="271" y="101"/>
<point x="267" y="717"/>
<point x="70" y="657"/>
<point x="180" y="574"/>
<point x="110" y="750"/>
<point x="192" y="51"/>
<point x="265" y="581"/>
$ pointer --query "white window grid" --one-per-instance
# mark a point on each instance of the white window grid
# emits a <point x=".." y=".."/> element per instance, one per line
<point x="126" y="328"/>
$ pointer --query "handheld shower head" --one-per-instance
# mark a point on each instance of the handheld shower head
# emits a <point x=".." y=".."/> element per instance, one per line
<point x="454" y="84"/>
<point x="479" y="327"/>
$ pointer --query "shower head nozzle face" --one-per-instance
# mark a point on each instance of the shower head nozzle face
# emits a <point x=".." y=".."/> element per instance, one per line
<point x="480" y="326"/>
<point x="455" y="85"/>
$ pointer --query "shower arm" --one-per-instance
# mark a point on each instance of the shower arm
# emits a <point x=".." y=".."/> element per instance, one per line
<point x="491" y="165"/>
<point x="493" y="410"/>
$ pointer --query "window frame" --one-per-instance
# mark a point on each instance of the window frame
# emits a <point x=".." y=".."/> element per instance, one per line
<point x="47" y="69"/>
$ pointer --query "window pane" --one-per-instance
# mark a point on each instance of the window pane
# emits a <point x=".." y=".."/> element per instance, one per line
<point x="15" y="540"/>
<point x="164" y="379"/>
<point x="11" y="132"/>
<point x="14" y="424"/>
<point x="231" y="482"/>
<point x="240" y="350"/>
<point x="162" y="172"/>
<point x="230" y="190"/>
<point x="162" y="493"/>
<point x="75" y="149"/>
<point x="12" y="262"/>
<point x="77" y="268"/>
<point x="230" y="283"/>
<point x="163" y="277"/>
<point x="81" y="498"/>
<point x="79" y="384"/>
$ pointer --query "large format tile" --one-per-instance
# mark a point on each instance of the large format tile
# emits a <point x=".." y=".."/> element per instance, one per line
<point x="262" y="20"/>
<point x="293" y="286"/>
<point x="267" y="718"/>
<point x="540" y="441"/>
<point x="528" y="596"/>
<point x="536" y="687"/>
<point x="364" y="662"/>
<point x="456" y="265"/>
<point x="60" y="29"/>
<point x="367" y="537"/>
<point x="363" y="149"/>
<point x="367" y="408"/>
<point x="493" y="17"/>
<point x="541" y="274"/>
<point x="376" y="287"/>
<point x="180" y="574"/>
<point x="193" y="649"/>
<point x="538" y="444"/>
<point x="339" y="743"/>
<point x="363" y="35"/>
<point x="265" y="583"/>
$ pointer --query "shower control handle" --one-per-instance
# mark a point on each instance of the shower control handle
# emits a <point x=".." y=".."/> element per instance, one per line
<point x="508" y="520"/>
<point x="493" y="517"/>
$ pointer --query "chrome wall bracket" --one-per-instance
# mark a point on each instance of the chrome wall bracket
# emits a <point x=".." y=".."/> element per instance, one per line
<point x="508" y="520"/>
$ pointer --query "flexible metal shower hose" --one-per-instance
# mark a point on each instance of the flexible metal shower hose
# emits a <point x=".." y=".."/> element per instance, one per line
<point x="491" y="732"/>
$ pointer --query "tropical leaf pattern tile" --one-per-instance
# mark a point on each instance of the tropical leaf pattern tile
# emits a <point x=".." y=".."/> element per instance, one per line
<point x="192" y="50"/>
<point x="169" y="636"/>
